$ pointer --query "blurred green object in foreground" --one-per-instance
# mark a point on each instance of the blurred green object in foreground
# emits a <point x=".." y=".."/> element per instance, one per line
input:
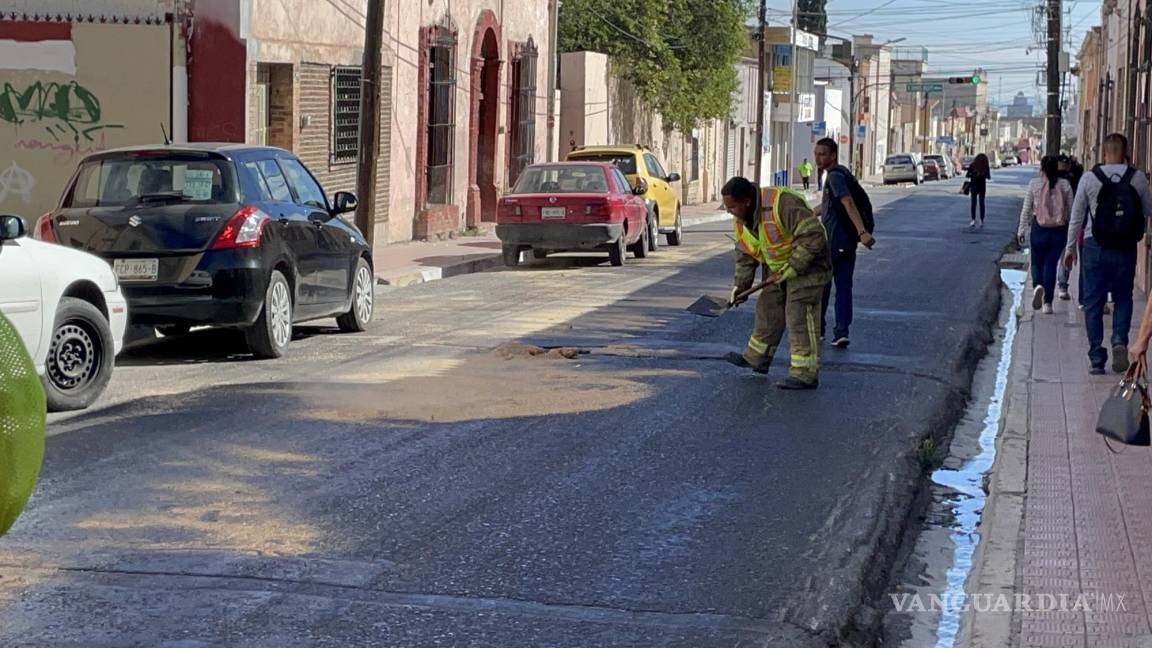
<point x="22" y="424"/>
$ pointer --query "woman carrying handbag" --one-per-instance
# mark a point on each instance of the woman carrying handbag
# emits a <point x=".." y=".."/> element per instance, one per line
<point x="1044" y="224"/>
<point x="979" y="173"/>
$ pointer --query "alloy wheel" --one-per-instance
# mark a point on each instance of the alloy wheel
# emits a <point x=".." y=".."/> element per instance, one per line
<point x="364" y="295"/>
<point x="280" y="307"/>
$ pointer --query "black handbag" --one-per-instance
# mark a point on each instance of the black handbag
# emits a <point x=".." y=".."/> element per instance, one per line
<point x="1124" y="416"/>
<point x="966" y="188"/>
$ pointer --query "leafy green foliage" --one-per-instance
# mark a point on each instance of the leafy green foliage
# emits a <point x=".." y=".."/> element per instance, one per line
<point x="679" y="54"/>
<point x="813" y="16"/>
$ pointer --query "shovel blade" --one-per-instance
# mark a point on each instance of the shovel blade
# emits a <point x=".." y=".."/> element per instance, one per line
<point x="709" y="306"/>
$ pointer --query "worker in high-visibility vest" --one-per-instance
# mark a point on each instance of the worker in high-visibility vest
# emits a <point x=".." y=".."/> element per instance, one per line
<point x="22" y="420"/>
<point x="777" y="230"/>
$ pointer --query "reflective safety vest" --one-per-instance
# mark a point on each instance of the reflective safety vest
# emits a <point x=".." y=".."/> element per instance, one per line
<point x="772" y="245"/>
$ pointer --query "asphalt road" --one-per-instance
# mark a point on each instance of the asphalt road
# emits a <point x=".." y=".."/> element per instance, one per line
<point x="410" y="487"/>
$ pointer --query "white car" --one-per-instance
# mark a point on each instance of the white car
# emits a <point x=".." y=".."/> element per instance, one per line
<point x="903" y="167"/>
<point x="67" y="307"/>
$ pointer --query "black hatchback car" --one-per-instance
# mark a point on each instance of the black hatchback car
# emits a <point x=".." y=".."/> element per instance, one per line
<point x="219" y="234"/>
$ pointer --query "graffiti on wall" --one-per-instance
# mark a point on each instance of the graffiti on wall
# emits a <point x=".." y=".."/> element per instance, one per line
<point x="18" y="182"/>
<point x="66" y="110"/>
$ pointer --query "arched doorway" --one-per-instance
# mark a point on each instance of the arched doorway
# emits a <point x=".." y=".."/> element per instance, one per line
<point x="485" y="92"/>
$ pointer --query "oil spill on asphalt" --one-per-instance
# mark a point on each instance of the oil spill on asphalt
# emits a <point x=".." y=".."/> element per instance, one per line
<point x="942" y="558"/>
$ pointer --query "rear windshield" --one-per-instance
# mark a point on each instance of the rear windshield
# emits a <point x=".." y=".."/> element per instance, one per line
<point x="112" y="182"/>
<point x="899" y="159"/>
<point x="569" y="178"/>
<point x="934" y="158"/>
<point x="626" y="162"/>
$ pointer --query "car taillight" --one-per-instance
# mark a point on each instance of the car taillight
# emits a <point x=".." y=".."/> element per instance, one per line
<point x="242" y="230"/>
<point x="43" y="229"/>
<point x="603" y="210"/>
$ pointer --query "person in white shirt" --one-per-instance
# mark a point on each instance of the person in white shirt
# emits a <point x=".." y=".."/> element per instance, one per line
<point x="1109" y="263"/>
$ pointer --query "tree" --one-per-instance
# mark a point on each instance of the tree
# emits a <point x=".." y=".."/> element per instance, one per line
<point x="680" y="55"/>
<point x="813" y="16"/>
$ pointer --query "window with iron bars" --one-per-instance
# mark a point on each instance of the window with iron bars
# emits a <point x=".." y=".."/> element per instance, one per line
<point x="345" y="113"/>
<point x="523" y="106"/>
<point x="441" y="119"/>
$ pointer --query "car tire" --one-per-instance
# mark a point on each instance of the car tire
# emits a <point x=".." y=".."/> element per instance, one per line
<point x="363" y="300"/>
<point x="618" y="251"/>
<point x="270" y="335"/>
<point x="653" y="232"/>
<point x="173" y="330"/>
<point x="511" y="255"/>
<point x="640" y="248"/>
<point x="676" y="237"/>
<point x="539" y="255"/>
<point x="79" y="363"/>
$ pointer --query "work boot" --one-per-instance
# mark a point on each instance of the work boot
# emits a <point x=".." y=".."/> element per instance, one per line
<point x="738" y="360"/>
<point x="791" y="383"/>
<point x="1120" y="362"/>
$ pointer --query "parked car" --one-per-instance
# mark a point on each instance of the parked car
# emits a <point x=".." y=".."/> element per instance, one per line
<point x="638" y="162"/>
<point x="1011" y="160"/>
<point x="966" y="162"/>
<point x="903" y="167"/>
<point x="932" y="170"/>
<point x="221" y="235"/>
<point x="69" y="311"/>
<point x="942" y="163"/>
<point x="568" y="206"/>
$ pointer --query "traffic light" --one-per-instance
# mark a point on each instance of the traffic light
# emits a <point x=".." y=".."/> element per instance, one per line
<point x="965" y="80"/>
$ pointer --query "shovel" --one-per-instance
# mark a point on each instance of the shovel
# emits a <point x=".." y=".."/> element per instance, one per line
<point x="709" y="306"/>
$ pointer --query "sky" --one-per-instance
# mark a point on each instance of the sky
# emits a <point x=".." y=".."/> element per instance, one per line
<point x="997" y="35"/>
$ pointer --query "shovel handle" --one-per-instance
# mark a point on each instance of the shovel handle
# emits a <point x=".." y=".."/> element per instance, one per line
<point x="753" y="290"/>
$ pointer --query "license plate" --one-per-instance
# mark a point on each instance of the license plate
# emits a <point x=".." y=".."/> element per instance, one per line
<point x="553" y="212"/>
<point x="136" y="269"/>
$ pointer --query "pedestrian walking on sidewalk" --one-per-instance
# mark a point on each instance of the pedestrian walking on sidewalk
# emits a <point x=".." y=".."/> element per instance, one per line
<point x="776" y="230"/>
<point x="1044" y="223"/>
<point x="1074" y="172"/>
<point x="846" y="213"/>
<point x="979" y="173"/>
<point x="806" y="173"/>
<point x="1110" y="209"/>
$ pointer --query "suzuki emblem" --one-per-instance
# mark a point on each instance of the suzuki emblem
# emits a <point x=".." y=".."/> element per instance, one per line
<point x="135" y="221"/>
<point x="552" y="199"/>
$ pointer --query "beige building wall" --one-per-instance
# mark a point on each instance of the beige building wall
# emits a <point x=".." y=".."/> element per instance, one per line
<point x="518" y="21"/>
<point x="115" y="80"/>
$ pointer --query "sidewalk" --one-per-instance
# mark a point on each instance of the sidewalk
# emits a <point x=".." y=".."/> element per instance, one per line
<point x="1065" y="516"/>
<point x="404" y="264"/>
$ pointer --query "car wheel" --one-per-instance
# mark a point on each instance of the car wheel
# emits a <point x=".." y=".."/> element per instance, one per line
<point x="676" y="237"/>
<point x="79" y="362"/>
<point x="640" y="248"/>
<point x="270" y="335"/>
<point x="511" y="255"/>
<point x="539" y="255"/>
<point x="617" y="252"/>
<point x="363" y="299"/>
<point x="653" y="232"/>
<point x="173" y="330"/>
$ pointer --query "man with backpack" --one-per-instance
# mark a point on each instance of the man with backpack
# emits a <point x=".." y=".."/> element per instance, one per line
<point x="846" y="212"/>
<point x="1111" y="206"/>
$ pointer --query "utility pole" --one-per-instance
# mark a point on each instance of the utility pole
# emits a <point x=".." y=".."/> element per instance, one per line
<point x="1052" y="137"/>
<point x="369" y="120"/>
<point x="794" y="95"/>
<point x="762" y="71"/>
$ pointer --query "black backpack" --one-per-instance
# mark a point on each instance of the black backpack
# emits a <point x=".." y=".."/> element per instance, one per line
<point x="859" y="196"/>
<point x="1119" y="218"/>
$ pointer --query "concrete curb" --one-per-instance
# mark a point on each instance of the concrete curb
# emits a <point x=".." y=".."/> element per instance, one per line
<point x="994" y="565"/>
<point x="418" y="274"/>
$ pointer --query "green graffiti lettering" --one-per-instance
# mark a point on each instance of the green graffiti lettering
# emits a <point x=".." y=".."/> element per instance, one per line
<point x="66" y="105"/>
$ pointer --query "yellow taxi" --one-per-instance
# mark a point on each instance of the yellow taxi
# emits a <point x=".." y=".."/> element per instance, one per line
<point x="638" y="162"/>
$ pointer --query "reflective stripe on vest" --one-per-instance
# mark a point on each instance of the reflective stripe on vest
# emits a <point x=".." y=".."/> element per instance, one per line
<point x="773" y="246"/>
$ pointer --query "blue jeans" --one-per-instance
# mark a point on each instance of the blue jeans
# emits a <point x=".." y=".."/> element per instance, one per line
<point x="1047" y="250"/>
<point x="1106" y="270"/>
<point x="843" y="269"/>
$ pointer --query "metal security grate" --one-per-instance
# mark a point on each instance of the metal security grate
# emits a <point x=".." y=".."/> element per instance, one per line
<point x="346" y="113"/>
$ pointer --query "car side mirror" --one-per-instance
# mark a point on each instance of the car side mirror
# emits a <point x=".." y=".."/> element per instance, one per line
<point x="12" y="227"/>
<point x="343" y="202"/>
<point x="673" y="177"/>
<point x="640" y="189"/>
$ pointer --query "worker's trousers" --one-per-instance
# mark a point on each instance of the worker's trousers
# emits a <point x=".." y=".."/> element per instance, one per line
<point x="798" y="310"/>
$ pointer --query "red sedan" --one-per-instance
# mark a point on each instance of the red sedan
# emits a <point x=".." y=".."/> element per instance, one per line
<point x="574" y="206"/>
